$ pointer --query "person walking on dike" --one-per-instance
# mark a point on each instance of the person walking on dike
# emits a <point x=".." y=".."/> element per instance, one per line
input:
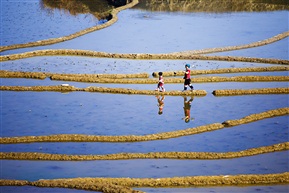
<point x="187" y="78"/>
<point x="161" y="83"/>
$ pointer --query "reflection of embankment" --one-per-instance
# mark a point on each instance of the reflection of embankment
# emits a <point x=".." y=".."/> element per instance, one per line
<point x="150" y="137"/>
<point x="116" y="185"/>
<point x="152" y="155"/>
<point x="112" y="20"/>
<point x="100" y="9"/>
<point x="214" y="6"/>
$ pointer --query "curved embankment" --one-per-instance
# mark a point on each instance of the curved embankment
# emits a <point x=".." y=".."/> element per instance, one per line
<point x="43" y="75"/>
<point x="149" y="137"/>
<point x="105" y="187"/>
<point x="113" y="19"/>
<point x="141" y="78"/>
<point x="172" y="80"/>
<point x="116" y="185"/>
<point x="231" y="92"/>
<point x="246" y="46"/>
<point x="152" y="155"/>
<point x="177" y="55"/>
<point x="255" y="117"/>
<point x="96" y="77"/>
<point x="223" y="71"/>
<point x="181" y="56"/>
<point x="67" y="88"/>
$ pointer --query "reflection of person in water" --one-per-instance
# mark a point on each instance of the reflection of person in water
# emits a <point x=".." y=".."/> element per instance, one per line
<point x="161" y="103"/>
<point x="187" y="109"/>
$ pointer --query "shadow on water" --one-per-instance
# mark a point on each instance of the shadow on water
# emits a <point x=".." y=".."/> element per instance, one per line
<point x="214" y="6"/>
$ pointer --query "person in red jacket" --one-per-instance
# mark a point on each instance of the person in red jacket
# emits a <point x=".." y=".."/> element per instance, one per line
<point x="161" y="83"/>
<point x="187" y="78"/>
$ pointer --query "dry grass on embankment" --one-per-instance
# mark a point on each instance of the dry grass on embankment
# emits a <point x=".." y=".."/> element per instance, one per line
<point x="225" y="70"/>
<point x="67" y="88"/>
<point x="125" y="185"/>
<point x="230" y="92"/>
<point x="43" y="75"/>
<point x="150" y="137"/>
<point x="143" y="78"/>
<point x="170" y="56"/>
<point x="152" y="155"/>
<point x="95" y="77"/>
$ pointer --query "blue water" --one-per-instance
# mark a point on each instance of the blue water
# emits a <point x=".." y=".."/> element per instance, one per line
<point x="34" y="170"/>
<point x="42" y="113"/>
<point x="172" y="32"/>
<point x="46" y="113"/>
<point x="26" y="21"/>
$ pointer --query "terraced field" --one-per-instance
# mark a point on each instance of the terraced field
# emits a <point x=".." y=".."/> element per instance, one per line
<point x="77" y="119"/>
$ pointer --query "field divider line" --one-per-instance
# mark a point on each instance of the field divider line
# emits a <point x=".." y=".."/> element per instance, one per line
<point x="151" y="155"/>
<point x="142" y="56"/>
<point x="114" y="185"/>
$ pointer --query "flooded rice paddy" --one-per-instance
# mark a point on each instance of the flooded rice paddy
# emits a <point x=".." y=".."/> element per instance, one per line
<point x="149" y="29"/>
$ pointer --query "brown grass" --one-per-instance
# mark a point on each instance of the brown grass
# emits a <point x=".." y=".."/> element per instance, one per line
<point x="60" y="88"/>
<point x="175" y="56"/>
<point x="226" y="70"/>
<point x="231" y="92"/>
<point x="143" y="78"/>
<point x="124" y="185"/>
<point x="256" y="117"/>
<point x="152" y="155"/>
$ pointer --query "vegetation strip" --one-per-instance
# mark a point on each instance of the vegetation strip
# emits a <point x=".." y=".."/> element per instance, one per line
<point x="43" y="75"/>
<point x="230" y="92"/>
<point x="116" y="185"/>
<point x="88" y="53"/>
<point x="259" y="116"/>
<point x="246" y="46"/>
<point x="143" y="78"/>
<point x="225" y="70"/>
<point x="171" y="80"/>
<point x="134" y="78"/>
<point x="149" y="137"/>
<point x="152" y="155"/>
<point x="113" y="19"/>
<point x="105" y="187"/>
<point x="67" y="88"/>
